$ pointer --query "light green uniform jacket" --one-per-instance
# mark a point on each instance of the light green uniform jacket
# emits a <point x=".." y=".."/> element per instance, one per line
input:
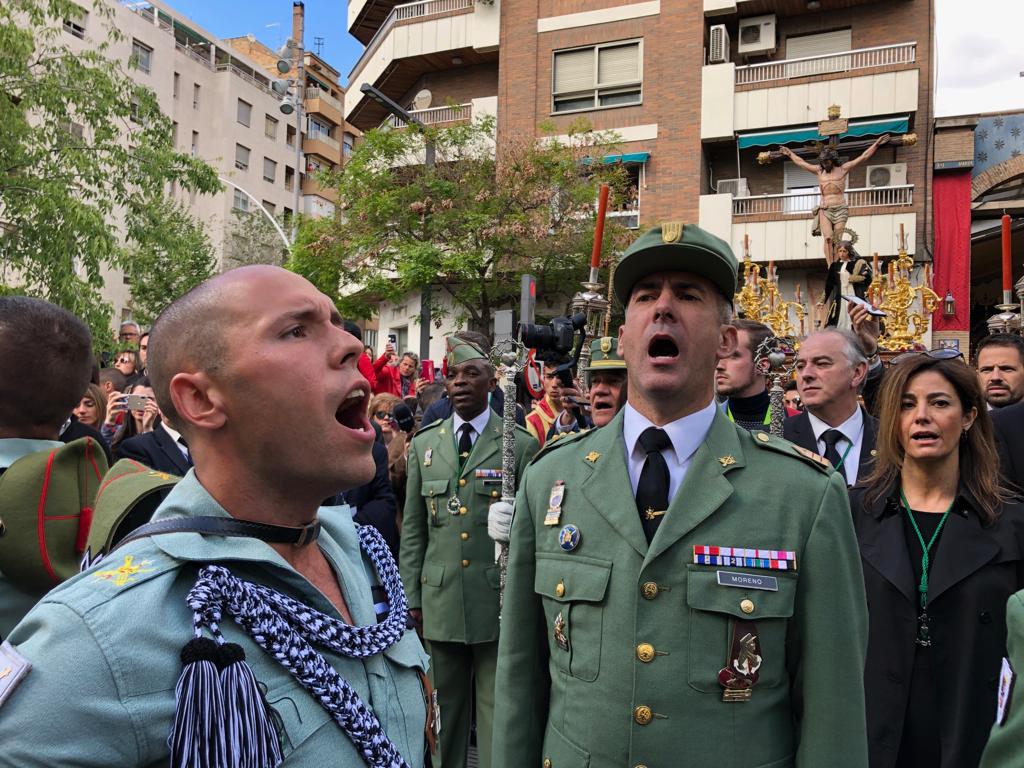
<point x="447" y="558"/>
<point x="1006" y="742"/>
<point x="645" y="630"/>
<point x="105" y="653"/>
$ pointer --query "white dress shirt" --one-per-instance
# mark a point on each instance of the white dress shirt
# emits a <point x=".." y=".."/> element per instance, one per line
<point x="686" y="435"/>
<point x="853" y="438"/>
<point x="478" y="423"/>
<point x="175" y="436"/>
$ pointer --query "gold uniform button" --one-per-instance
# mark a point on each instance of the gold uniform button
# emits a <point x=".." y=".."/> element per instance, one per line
<point x="547" y="763"/>
<point x="463" y="510"/>
<point x="649" y="590"/>
<point x="560" y="589"/>
<point x="763" y="437"/>
<point x="464" y="536"/>
<point x="645" y="652"/>
<point x="465" y="563"/>
<point x="494" y="494"/>
<point x="462" y="482"/>
<point x="423" y="579"/>
<point x="747" y="606"/>
<point x="639" y="765"/>
<point x="643" y="714"/>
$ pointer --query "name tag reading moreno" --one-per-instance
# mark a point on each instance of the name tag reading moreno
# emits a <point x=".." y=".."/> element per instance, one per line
<point x="747" y="581"/>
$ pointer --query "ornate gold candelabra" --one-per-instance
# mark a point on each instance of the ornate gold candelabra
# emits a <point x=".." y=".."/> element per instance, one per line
<point x="760" y="299"/>
<point x="895" y="294"/>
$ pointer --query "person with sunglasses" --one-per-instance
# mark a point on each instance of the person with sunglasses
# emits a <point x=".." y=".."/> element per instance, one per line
<point x="942" y="547"/>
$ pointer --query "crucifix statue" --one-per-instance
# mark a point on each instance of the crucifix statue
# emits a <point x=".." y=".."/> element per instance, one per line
<point x="831" y="214"/>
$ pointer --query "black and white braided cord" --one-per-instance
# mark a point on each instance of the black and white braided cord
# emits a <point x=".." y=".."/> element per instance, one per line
<point x="287" y="630"/>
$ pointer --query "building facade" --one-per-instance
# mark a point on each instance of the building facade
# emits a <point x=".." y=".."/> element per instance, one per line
<point x="224" y="111"/>
<point x="695" y="91"/>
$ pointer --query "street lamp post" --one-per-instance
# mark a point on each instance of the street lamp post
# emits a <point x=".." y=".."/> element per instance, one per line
<point x="270" y="218"/>
<point x="430" y="159"/>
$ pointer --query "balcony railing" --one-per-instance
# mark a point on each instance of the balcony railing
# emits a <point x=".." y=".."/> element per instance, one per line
<point x="316" y="136"/>
<point x="204" y="60"/>
<point x="804" y="202"/>
<point x="313" y="92"/>
<point x="404" y="13"/>
<point x="253" y="81"/>
<point x="862" y="58"/>
<point x="434" y="115"/>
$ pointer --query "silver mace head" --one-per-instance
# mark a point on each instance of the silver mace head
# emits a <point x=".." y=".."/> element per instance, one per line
<point x="776" y="359"/>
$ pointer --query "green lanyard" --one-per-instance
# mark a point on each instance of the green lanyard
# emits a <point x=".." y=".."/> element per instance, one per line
<point x="925" y="548"/>
<point x="842" y="459"/>
<point x="767" y="415"/>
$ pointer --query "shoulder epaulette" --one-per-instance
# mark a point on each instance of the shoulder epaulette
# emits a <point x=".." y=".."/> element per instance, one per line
<point x="777" y="444"/>
<point x="563" y="439"/>
<point x="426" y="428"/>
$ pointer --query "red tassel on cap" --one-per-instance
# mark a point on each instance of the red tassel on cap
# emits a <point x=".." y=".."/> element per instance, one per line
<point x="84" y="525"/>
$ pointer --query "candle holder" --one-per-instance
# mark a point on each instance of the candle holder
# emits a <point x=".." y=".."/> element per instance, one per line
<point x="896" y="295"/>
<point x="760" y="299"/>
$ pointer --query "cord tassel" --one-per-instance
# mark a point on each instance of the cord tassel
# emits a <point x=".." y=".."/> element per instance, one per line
<point x="248" y="730"/>
<point x="197" y="738"/>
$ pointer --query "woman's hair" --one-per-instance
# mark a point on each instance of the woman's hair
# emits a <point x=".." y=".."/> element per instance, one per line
<point x="133" y="354"/>
<point x="96" y="395"/>
<point x="979" y="463"/>
<point x="383" y="402"/>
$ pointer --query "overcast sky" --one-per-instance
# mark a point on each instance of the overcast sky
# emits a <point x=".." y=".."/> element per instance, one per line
<point x="980" y="56"/>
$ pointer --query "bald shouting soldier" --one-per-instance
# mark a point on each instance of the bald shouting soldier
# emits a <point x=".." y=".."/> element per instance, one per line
<point x="680" y="592"/>
<point x="255" y="371"/>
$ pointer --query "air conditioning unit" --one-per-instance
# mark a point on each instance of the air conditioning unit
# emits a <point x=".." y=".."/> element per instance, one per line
<point x="718" y="45"/>
<point x="757" y="35"/>
<point x="891" y="175"/>
<point x="734" y="187"/>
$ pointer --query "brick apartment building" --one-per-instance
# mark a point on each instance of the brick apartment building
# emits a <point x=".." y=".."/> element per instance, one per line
<point x="695" y="89"/>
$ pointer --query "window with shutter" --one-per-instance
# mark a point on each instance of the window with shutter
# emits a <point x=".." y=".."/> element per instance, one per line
<point x="814" y="47"/>
<point x="604" y="75"/>
<point x="269" y="170"/>
<point x="241" y="157"/>
<point x="244" y="112"/>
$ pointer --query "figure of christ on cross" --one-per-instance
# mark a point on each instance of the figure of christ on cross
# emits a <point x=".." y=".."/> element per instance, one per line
<point x="832" y="212"/>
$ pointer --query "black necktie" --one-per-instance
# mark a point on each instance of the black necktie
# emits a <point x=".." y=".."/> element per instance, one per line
<point x="652" y="490"/>
<point x="832" y="438"/>
<point x="465" y="440"/>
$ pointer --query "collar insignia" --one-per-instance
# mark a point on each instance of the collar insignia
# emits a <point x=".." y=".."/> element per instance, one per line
<point x="593" y="456"/>
<point x="726" y="461"/>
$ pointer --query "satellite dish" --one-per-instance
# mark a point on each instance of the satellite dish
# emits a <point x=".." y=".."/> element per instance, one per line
<point x="422" y="100"/>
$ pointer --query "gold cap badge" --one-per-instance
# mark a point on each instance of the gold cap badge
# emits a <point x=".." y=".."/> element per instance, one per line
<point x="671" y="231"/>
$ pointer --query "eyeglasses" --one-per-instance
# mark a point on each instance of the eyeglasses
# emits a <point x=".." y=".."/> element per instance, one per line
<point x="942" y="353"/>
<point x="382" y="415"/>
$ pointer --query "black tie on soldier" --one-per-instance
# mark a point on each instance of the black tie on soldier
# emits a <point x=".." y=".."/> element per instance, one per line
<point x="465" y="440"/>
<point x="831" y="437"/>
<point x="652" y="490"/>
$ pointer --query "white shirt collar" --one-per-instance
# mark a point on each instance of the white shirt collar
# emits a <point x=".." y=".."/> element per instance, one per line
<point x="686" y="433"/>
<point x="175" y="435"/>
<point x="479" y="423"/>
<point x="850" y="428"/>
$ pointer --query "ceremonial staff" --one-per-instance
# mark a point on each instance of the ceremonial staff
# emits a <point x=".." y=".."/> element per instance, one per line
<point x="510" y="359"/>
<point x="775" y="353"/>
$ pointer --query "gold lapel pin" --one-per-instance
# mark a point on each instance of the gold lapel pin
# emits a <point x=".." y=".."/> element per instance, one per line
<point x="726" y="461"/>
<point x="593" y="456"/>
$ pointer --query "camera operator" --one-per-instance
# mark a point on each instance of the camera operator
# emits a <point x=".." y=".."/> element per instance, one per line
<point x="556" y="346"/>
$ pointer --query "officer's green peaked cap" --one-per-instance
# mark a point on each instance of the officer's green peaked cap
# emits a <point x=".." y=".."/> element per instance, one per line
<point x="461" y="351"/>
<point x="674" y="247"/>
<point x="604" y="355"/>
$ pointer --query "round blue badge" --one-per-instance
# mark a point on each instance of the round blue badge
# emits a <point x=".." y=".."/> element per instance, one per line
<point x="569" y="538"/>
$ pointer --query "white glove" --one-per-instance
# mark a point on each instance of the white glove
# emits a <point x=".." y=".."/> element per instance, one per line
<point x="499" y="521"/>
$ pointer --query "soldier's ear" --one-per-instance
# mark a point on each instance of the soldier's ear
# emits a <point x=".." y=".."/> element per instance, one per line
<point x="728" y="341"/>
<point x="199" y="400"/>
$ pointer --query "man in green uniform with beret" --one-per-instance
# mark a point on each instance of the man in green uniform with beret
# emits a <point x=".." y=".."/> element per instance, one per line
<point x="680" y="591"/>
<point x="258" y="611"/>
<point x="447" y="558"/>
<point x="1004" y="749"/>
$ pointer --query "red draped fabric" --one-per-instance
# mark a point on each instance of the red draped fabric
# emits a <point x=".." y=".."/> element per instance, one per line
<point x="952" y="268"/>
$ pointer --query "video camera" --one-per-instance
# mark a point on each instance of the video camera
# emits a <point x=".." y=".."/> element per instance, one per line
<point x="559" y="343"/>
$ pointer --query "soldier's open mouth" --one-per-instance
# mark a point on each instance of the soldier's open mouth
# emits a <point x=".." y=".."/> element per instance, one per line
<point x="603" y="405"/>
<point x="662" y="346"/>
<point x="352" y="411"/>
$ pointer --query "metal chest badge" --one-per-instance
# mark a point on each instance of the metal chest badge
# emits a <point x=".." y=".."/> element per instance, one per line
<point x="428" y="457"/>
<point x="554" y="512"/>
<point x="561" y="640"/>
<point x="739" y="677"/>
<point x="569" y="538"/>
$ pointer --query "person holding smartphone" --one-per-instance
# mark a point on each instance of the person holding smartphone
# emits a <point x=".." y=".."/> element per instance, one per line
<point x="396" y="376"/>
<point x="140" y="409"/>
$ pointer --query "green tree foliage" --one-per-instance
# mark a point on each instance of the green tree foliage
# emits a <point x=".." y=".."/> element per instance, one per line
<point x="470" y="225"/>
<point x="86" y="159"/>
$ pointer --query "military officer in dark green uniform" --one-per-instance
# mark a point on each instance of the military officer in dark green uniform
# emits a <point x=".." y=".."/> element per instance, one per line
<point x="680" y="592"/>
<point x="447" y="559"/>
